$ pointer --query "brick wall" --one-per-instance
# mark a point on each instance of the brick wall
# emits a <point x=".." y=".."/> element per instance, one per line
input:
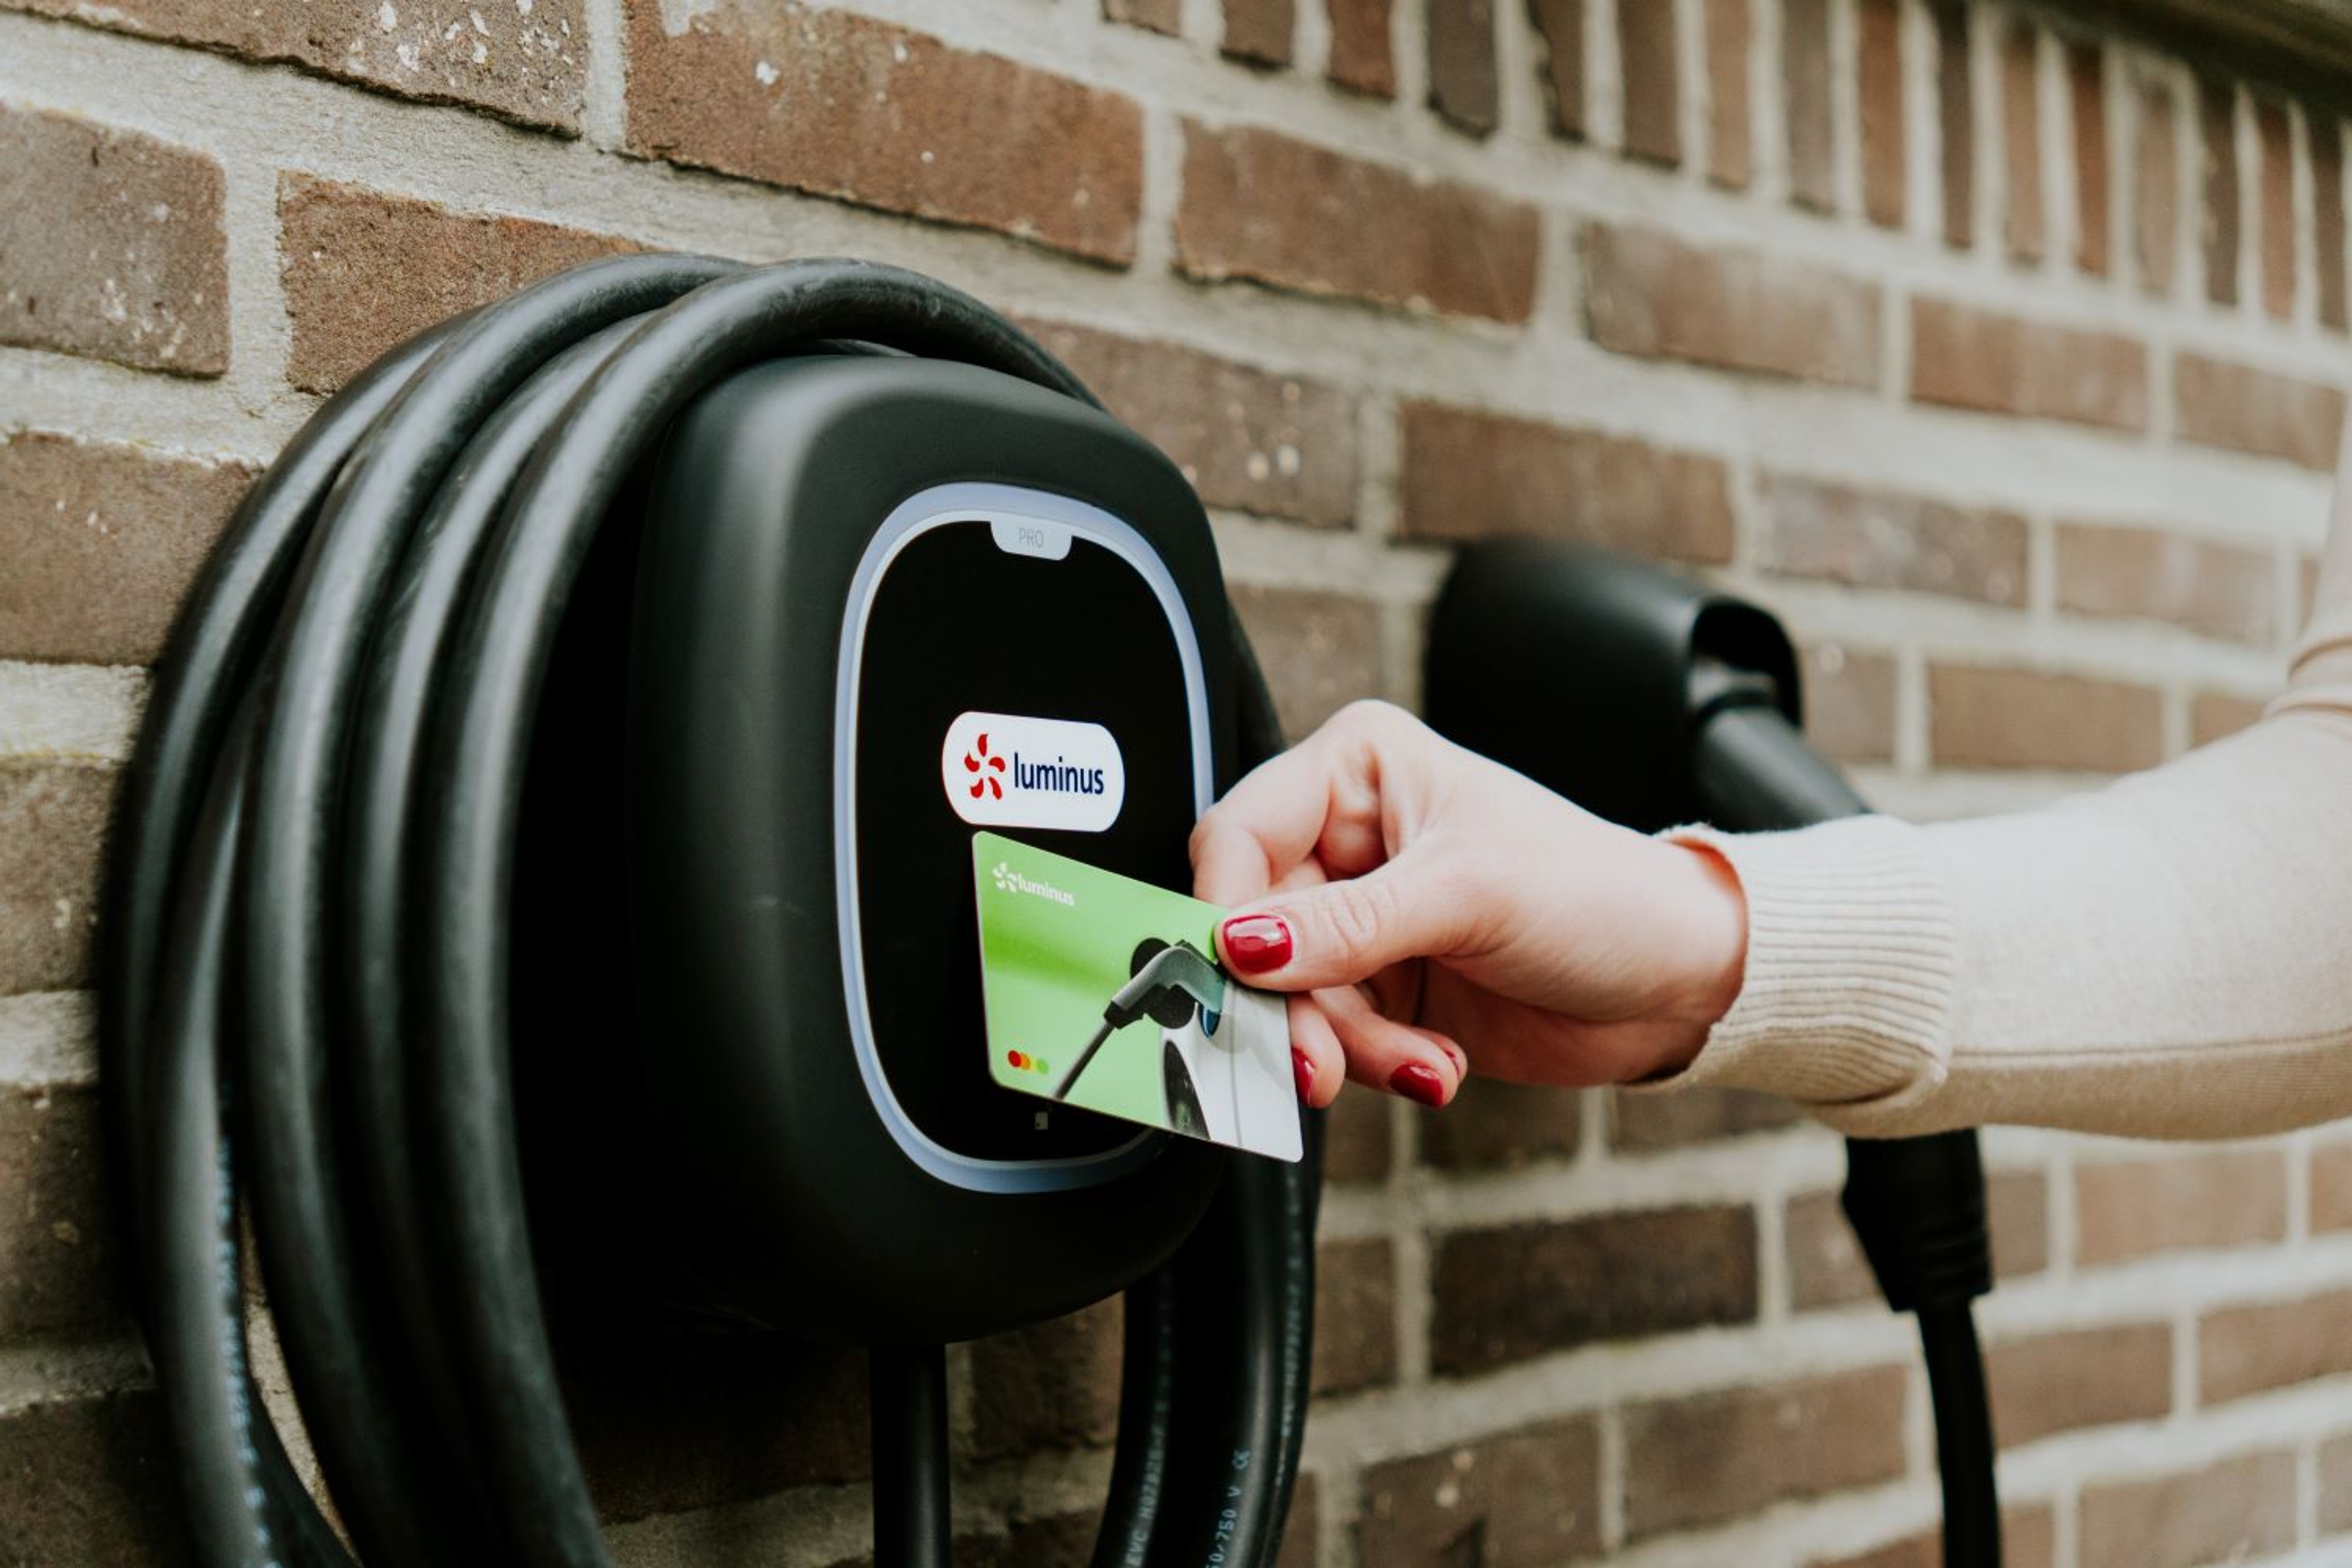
<point x="2003" y="356"/>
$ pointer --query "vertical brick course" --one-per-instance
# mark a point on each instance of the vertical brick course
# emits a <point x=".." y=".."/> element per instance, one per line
<point x="1956" y="122"/>
<point x="2275" y="150"/>
<point x="1364" y="48"/>
<point x="2218" y="221"/>
<point x="1463" y="86"/>
<point x="2155" y="150"/>
<point x="2325" y="133"/>
<point x="1805" y="88"/>
<point x="2024" y="227"/>
<point x="1559" y="45"/>
<point x="1730" y="161"/>
<point x="2086" y="104"/>
<point x="1879" y="83"/>
<point x="1259" y="32"/>
<point x="1653" y="81"/>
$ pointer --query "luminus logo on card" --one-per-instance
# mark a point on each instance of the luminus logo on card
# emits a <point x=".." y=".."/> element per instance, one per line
<point x="1010" y="770"/>
<point x="1009" y="880"/>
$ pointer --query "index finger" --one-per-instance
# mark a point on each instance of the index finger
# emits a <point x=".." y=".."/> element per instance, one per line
<point x="1320" y="798"/>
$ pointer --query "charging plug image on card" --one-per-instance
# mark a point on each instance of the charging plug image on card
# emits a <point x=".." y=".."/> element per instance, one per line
<point x="1104" y="993"/>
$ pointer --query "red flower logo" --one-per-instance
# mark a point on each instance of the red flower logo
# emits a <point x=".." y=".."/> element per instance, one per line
<point x="987" y="780"/>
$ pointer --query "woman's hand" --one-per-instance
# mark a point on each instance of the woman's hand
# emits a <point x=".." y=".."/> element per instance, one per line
<point x="1429" y="907"/>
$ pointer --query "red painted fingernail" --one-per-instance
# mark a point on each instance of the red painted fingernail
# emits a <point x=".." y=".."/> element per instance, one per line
<point x="1304" y="1071"/>
<point x="1415" y="1081"/>
<point x="1256" y="943"/>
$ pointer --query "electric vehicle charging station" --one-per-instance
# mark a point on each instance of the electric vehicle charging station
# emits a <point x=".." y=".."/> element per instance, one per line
<point x="1653" y="700"/>
<point x="668" y="627"/>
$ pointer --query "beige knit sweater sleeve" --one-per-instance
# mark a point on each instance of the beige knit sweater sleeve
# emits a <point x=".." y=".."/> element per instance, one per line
<point x="2169" y="957"/>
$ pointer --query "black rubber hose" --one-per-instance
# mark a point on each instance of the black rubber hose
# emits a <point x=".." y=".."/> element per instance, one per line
<point x="1964" y="1437"/>
<point x="912" y="1528"/>
<point x="401" y="1497"/>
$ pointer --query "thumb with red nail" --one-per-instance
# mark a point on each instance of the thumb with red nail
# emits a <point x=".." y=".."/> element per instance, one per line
<point x="1429" y="910"/>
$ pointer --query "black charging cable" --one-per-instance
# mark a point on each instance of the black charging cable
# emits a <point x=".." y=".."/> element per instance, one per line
<point x="1916" y="1205"/>
<point x="308" y="944"/>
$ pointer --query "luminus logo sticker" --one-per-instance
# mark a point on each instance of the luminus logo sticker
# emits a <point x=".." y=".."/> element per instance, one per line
<point x="1009" y="770"/>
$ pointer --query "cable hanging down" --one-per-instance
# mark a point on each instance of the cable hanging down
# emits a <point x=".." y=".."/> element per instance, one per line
<point x="308" y="944"/>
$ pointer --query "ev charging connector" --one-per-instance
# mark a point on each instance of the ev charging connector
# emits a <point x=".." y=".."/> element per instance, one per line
<point x="1654" y="700"/>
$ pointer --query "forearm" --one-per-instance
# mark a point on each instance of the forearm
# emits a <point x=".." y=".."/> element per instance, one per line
<point x="2169" y="957"/>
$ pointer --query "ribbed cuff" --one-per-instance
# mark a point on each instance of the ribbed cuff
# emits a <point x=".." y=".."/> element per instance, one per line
<point x="1847" y="993"/>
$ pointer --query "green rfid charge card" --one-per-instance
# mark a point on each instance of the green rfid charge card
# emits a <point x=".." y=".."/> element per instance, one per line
<point x="1104" y="992"/>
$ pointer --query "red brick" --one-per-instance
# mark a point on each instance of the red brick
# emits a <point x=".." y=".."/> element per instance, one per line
<point x="2331" y="1174"/>
<point x="1972" y="358"/>
<point x="1260" y="205"/>
<point x="127" y="261"/>
<point x="2028" y="1539"/>
<point x="2086" y="103"/>
<point x="1642" y="1123"/>
<point x="1805" y="69"/>
<point x="2021" y="140"/>
<point x="845" y="106"/>
<point x="1363" y="48"/>
<point x="1355" y="1315"/>
<point x="1987" y="718"/>
<point x="1301" y="1537"/>
<point x="2214" y="714"/>
<point x="1320" y="650"/>
<point x="2336" y="1485"/>
<point x="88" y="1482"/>
<point x="2211" y="1198"/>
<point x="2275" y="146"/>
<point x="524" y="65"/>
<point x="1463" y="85"/>
<point x="55" y="813"/>
<point x="1470" y="476"/>
<point x="1956" y="122"/>
<point x="1494" y="1125"/>
<point x="2250" y="1349"/>
<point x="1356" y="1140"/>
<point x="2217" y="402"/>
<point x="101" y="542"/>
<point x="1729" y="162"/>
<point x="1156" y="16"/>
<point x="1248" y="439"/>
<point x="2326" y="139"/>
<point x="2074" y="1378"/>
<point x="672" y="1420"/>
<point x="2217" y="136"/>
<point x="1884" y="539"/>
<point x="1717" y="1456"/>
<point x="1529" y="1496"/>
<point x="1849" y="703"/>
<point x="363" y="270"/>
<point x="2217" y="590"/>
<point x="1052" y="1386"/>
<point x="1259" y="31"/>
<point x="2227" y="1512"/>
<point x="2156" y="187"/>
<point x="1879" y="84"/>
<point x="58" y="1252"/>
<point x="1651" y="79"/>
<point x="1560" y="39"/>
<point x="1509" y="1292"/>
<point x="1826" y="1267"/>
<point x="1647" y="293"/>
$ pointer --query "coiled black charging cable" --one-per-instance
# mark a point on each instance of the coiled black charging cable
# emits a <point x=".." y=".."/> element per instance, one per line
<point x="307" y="948"/>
